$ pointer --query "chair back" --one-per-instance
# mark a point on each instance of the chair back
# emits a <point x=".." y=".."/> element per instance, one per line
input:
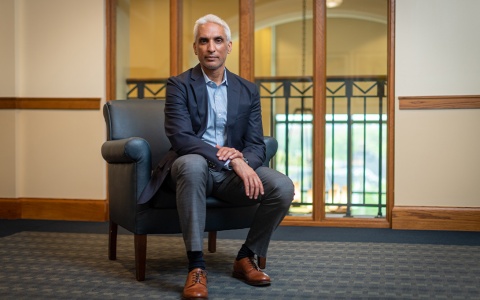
<point x="138" y="118"/>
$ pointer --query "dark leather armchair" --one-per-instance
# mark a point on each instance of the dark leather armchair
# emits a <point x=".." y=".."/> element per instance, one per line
<point x="135" y="143"/>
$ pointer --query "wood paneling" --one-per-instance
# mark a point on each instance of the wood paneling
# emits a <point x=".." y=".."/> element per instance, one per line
<point x="50" y="103"/>
<point x="440" y="102"/>
<point x="436" y="218"/>
<point x="54" y="209"/>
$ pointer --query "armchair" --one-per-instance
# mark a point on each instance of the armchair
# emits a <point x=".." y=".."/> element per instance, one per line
<point x="136" y="141"/>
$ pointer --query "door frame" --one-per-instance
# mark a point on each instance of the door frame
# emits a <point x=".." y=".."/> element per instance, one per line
<point x="246" y="41"/>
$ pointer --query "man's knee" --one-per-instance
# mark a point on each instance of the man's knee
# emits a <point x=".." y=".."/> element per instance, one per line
<point x="281" y="186"/>
<point x="190" y="164"/>
<point x="285" y="188"/>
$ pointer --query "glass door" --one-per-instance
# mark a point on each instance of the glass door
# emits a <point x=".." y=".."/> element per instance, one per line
<point x="142" y="57"/>
<point x="284" y="74"/>
<point x="356" y="109"/>
<point x="324" y="70"/>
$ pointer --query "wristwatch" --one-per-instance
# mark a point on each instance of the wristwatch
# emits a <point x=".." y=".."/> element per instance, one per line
<point x="229" y="167"/>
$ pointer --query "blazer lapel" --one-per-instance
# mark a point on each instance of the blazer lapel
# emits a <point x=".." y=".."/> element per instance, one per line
<point x="233" y="95"/>
<point x="201" y="97"/>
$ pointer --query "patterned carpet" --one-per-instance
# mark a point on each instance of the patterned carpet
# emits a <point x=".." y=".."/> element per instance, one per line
<point x="46" y="265"/>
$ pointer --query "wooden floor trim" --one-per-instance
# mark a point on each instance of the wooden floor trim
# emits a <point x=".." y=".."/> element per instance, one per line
<point x="440" y="102"/>
<point x="403" y="217"/>
<point x="50" y="103"/>
<point x="54" y="209"/>
<point x="10" y="209"/>
<point x="436" y="218"/>
<point x="338" y="222"/>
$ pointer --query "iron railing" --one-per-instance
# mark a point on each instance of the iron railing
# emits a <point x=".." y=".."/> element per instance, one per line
<point x="152" y="88"/>
<point x="363" y="115"/>
<point x="355" y="137"/>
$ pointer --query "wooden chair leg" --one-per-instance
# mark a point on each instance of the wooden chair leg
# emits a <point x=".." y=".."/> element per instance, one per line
<point x="262" y="262"/>
<point x="140" y="241"/>
<point x="212" y="241"/>
<point x="112" y="241"/>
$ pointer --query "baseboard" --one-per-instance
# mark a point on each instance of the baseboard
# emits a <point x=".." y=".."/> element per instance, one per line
<point x="10" y="209"/>
<point x="436" y="218"/>
<point x="403" y="217"/>
<point x="54" y="209"/>
<point x="337" y="222"/>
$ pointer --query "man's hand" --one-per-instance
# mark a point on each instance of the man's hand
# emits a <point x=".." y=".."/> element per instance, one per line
<point x="253" y="184"/>
<point x="226" y="153"/>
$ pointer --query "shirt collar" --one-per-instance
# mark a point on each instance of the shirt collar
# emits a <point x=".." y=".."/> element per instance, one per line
<point x="207" y="80"/>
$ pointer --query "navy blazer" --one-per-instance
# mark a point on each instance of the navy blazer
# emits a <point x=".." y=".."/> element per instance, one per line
<point x="186" y="120"/>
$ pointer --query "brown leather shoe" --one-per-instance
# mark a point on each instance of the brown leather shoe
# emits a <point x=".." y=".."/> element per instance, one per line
<point x="196" y="285"/>
<point x="247" y="270"/>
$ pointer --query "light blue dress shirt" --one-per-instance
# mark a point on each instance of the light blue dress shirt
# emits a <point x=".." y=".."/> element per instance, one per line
<point x="216" y="133"/>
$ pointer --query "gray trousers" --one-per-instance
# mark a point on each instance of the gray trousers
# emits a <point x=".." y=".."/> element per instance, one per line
<point x="195" y="181"/>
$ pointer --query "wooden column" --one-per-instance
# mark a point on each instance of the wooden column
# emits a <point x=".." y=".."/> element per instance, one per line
<point x="391" y="111"/>
<point x="247" y="26"/>
<point x="176" y="41"/>
<point x="319" y="106"/>
<point x="111" y="19"/>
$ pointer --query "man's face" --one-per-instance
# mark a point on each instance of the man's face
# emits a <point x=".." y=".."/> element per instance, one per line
<point x="211" y="46"/>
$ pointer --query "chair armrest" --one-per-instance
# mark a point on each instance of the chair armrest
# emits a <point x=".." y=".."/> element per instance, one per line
<point x="130" y="150"/>
<point x="271" y="145"/>
<point x="129" y="171"/>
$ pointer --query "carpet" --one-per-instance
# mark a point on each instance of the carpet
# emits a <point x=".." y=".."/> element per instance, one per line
<point x="48" y="265"/>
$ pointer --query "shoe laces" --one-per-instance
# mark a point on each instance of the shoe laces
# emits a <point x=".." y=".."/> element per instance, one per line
<point x="253" y="263"/>
<point x="197" y="278"/>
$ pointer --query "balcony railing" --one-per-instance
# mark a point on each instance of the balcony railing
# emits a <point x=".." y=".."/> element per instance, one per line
<point x="146" y="88"/>
<point x="355" y="141"/>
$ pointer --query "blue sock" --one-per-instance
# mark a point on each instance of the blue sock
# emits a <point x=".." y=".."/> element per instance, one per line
<point x="195" y="260"/>
<point x="244" y="252"/>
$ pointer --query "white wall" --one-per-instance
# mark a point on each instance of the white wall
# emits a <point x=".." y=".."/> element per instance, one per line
<point x="7" y="89"/>
<point x="437" y="161"/>
<point x="59" y="51"/>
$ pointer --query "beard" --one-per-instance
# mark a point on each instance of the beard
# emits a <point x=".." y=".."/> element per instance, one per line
<point x="213" y="65"/>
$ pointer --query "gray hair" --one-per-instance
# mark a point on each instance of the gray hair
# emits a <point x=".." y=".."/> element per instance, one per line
<point x="212" y="19"/>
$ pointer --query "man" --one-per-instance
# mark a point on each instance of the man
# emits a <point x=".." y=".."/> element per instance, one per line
<point x="213" y="121"/>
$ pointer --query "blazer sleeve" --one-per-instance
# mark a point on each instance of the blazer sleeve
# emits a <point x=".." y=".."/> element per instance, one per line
<point x="254" y="146"/>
